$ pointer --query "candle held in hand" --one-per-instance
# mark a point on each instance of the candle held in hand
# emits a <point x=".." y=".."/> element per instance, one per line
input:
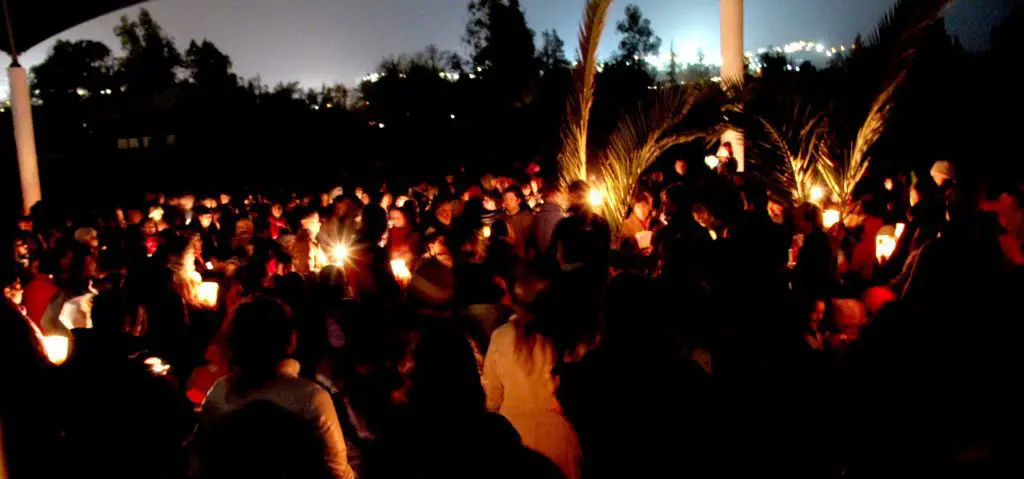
<point x="56" y="348"/>
<point x="207" y="293"/>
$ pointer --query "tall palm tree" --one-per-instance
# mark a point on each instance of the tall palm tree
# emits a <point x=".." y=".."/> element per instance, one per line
<point x="640" y="138"/>
<point x="886" y="57"/>
<point x="573" y="159"/>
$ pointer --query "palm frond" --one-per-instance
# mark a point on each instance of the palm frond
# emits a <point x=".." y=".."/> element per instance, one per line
<point x="639" y="140"/>
<point x="891" y="46"/>
<point x="797" y="152"/>
<point x="572" y="161"/>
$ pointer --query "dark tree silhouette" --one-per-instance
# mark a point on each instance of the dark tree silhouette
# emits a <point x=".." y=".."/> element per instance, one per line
<point x="638" y="39"/>
<point x="73" y="71"/>
<point x="552" y="52"/>
<point x="209" y="68"/>
<point x="151" y="60"/>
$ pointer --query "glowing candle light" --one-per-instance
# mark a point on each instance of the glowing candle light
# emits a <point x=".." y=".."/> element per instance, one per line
<point x="595" y="197"/>
<point x="207" y="293"/>
<point x="56" y="348"/>
<point x="486" y="231"/>
<point x="157" y="366"/>
<point x="817" y="194"/>
<point x="711" y="161"/>
<point x="888" y="184"/>
<point x="209" y="265"/>
<point x="884" y="246"/>
<point x="400" y="268"/>
<point x="899" y="229"/>
<point x="829" y="218"/>
<point x="339" y="253"/>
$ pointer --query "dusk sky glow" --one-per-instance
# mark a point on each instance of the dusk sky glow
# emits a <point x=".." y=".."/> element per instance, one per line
<point x="329" y="41"/>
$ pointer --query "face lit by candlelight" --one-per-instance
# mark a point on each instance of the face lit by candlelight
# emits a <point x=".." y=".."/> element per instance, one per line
<point x="510" y="202"/>
<point x="642" y="210"/>
<point x="277" y="210"/>
<point x="817" y="314"/>
<point x="396" y="219"/>
<point x="206" y="220"/>
<point x="149" y="227"/>
<point x="444" y="213"/>
<point x="14" y="292"/>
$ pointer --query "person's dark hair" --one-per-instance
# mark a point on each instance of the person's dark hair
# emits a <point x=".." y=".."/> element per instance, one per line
<point x="550" y="192"/>
<point x="756" y="195"/>
<point x="643" y="197"/>
<point x="578" y="192"/>
<point x="810" y="213"/>
<point x="109" y="310"/>
<point x="374" y="223"/>
<point x="405" y="214"/>
<point x="260" y="338"/>
<point x="445" y="378"/>
<point x="202" y="210"/>
<point x="305" y="213"/>
<point x="676" y="194"/>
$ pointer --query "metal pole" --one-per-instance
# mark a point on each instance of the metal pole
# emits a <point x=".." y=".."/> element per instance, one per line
<point x="733" y="68"/>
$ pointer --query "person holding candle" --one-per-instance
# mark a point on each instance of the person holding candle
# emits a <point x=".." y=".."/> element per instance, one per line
<point x="636" y="232"/>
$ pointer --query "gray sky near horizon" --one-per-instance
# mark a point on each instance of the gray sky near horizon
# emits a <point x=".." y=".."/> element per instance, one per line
<point x="330" y="41"/>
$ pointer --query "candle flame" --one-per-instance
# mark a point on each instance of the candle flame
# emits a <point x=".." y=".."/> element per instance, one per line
<point x="817" y="194"/>
<point x="595" y="198"/>
<point x="884" y="246"/>
<point x="400" y="268"/>
<point x="56" y="348"/>
<point x="829" y="218"/>
<point x="207" y="293"/>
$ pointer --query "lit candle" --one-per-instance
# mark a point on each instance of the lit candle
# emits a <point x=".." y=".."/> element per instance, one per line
<point x="884" y="246"/>
<point x="339" y="252"/>
<point x="486" y="231"/>
<point x="817" y="194"/>
<point x="400" y="268"/>
<point x="595" y="197"/>
<point x="207" y="293"/>
<point x="56" y="348"/>
<point x="829" y="218"/>
<point x="157" y="366"/>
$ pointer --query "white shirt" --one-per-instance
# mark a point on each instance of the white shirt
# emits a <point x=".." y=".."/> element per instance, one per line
<point x="77" y="312"/>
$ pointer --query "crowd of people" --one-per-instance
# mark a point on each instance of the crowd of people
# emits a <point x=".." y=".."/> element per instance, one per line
<point x="497" y="326"/>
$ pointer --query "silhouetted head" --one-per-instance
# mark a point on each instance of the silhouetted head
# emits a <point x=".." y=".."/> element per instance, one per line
<point x="261" y="336"/>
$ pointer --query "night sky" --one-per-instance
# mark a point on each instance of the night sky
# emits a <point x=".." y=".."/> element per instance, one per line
<point x="327" y="41"/>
